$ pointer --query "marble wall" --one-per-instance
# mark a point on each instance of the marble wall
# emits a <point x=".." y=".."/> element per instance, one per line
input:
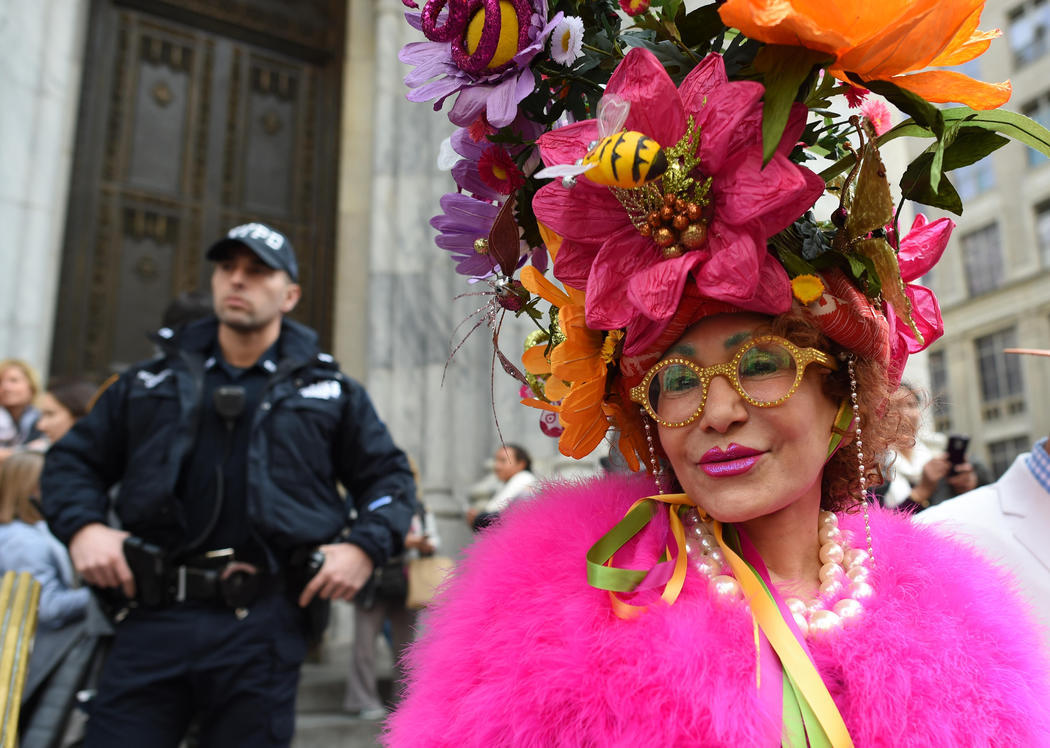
<point x="448" y="413"/>
<point x="397" y="314"/>
<point x="41" y="56"/>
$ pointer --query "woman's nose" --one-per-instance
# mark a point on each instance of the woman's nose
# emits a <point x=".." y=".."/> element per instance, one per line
<point x="724" y="406"/>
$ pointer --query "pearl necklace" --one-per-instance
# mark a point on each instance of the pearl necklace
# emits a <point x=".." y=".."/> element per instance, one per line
<point x="844" y="577"/>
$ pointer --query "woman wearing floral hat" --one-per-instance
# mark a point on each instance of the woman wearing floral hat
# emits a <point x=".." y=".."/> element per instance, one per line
<point x="739" y="589"/>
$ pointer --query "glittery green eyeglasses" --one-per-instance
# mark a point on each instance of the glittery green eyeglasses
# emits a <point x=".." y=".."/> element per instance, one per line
<point x="765" y="372"/>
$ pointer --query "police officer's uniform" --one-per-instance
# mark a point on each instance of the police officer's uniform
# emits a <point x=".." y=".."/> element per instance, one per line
<point x="199" y="644"/>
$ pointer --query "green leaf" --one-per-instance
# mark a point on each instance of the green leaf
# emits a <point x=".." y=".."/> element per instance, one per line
<point x="670" y="8"/>
<point x="856" y="267"/>
<point x="700" y="25"/>
<point x="916" y="107"/>
<point x="916" y="185"/>
<point x="793" y="263"/>
<point x="670" y="56"/>
<point x="960" y="146"/>
<point x="908" y="128"/>
<point x="739" y="54"/>
<point x="785" y="69"/>
<point x="1011" y="124"/>
<point x="971" y="144"/>
<point x="922" y="180"/>
<point x="862" y="269"/>
<point x="937" y="162"/>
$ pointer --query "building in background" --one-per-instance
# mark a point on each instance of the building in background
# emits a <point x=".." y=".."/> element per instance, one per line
<point x="994" y="280"/>
<point x="134" y="132"/>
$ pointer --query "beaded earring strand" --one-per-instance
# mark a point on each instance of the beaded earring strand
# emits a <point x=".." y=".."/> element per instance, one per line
<point x="851" y="365"/>
<point x="653" y="462"/>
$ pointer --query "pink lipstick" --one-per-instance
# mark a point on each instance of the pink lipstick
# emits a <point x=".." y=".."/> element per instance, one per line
<point x="734" y="460"/>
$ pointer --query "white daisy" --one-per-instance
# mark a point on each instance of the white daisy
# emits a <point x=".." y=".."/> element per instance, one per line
<point x="567" y="40"/>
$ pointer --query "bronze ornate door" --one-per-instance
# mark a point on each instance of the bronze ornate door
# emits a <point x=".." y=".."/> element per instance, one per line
<point x="194" y="117"/>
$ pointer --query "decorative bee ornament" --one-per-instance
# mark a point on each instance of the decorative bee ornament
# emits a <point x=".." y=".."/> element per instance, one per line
<point x="620" y="158"/>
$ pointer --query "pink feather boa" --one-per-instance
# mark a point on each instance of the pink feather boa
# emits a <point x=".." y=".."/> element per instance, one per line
<point x="520" y="651"/>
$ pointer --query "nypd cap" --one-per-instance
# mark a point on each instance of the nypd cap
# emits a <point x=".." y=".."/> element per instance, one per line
<point x="269" y="245"/>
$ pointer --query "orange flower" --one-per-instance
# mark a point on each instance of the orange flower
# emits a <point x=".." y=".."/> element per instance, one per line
<point x="535" y="361"/>
<point x="584" y="419"/>
<point x="577" y="368"/>
<point x="535" y="358"/>
<point x="889" y="40"/>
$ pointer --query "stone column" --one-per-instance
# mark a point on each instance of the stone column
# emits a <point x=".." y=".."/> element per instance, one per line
<point x="41" y="59"/>
<point x="398" y="315"/>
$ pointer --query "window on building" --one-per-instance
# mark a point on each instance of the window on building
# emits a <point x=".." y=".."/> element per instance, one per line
<point x="975" y="179"/>
<point x="1004" y="452"/>
<point x="942" y="417"/>
<point x="1039" y="110"/>
<point x="983" y="259"/>
<point x="1030" y="31"/>
<point x="1002" y="387"/>
<point x="1042" y="231"/>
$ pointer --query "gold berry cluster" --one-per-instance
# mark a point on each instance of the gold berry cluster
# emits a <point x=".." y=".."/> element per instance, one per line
<point x="677" y="227"/>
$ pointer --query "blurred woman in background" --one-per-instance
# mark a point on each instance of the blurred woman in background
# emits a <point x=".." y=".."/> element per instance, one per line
<point x="19" y="387"/>
<point x="65" y="403"/>
<point x="27" y="545"/>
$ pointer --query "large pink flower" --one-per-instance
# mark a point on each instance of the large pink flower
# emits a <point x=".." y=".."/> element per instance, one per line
<point x="628" y="281"/>
<point x="920" y="250"/>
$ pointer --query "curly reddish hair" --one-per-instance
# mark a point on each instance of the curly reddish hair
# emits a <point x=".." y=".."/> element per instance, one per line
<point x="882" y="426"/>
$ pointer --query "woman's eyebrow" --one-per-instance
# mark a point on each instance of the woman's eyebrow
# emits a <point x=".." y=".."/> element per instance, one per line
<point x="684" y="349"/>
<point x="736" y="339"/>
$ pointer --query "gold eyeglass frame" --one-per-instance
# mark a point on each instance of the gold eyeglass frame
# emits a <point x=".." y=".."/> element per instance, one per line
<point x="803" y="357"/>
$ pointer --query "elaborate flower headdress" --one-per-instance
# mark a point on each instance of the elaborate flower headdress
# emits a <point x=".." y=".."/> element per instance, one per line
<point x="675" y="178"/>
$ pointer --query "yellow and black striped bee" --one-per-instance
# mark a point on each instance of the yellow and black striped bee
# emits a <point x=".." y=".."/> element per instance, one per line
<point x="624" y="159"/>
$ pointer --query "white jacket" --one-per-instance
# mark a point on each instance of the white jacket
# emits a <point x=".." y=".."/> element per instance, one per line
<point x="1009" y="521"/>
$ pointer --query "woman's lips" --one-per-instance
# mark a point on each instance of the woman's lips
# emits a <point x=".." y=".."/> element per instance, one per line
<point x="734" y="460"/>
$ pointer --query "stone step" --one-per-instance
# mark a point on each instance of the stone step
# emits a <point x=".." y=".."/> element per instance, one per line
<point x="321" y="688"/>
<point x="320" y="719"/>
<point x="334" y="731"/>
<point x="322" y="684"/>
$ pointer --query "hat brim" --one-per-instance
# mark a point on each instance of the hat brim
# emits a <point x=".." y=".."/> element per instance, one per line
<point x="219" y="249"/>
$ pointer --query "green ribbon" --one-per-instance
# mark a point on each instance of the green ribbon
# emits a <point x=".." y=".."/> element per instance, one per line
<point x="843" y="420"/>
<point x="612" y="578"/>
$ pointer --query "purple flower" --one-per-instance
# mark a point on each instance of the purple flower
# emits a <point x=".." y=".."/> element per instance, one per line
<point x="443" y="68"/>
<point x="467" y="216"/>
<point x="465" y="171"/>
<point x="464" y="221"/>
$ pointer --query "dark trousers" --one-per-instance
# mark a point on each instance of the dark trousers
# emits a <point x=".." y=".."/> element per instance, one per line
<point x="169" y="666"/>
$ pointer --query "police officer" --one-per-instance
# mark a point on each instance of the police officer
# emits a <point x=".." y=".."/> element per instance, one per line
<point x="228" y="449"/>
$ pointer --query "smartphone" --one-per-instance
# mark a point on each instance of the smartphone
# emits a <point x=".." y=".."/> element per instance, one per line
<point x="957" y="444"/>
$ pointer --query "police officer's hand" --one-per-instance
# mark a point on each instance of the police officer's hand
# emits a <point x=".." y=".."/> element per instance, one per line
<point x="345" y="570"/>
<point x="97" y="552"/>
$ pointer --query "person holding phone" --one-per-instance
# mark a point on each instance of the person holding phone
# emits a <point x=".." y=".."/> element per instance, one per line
<point x="947" y="475"/>
<point x="927" y="473"/>
<point x="1009" y="521"/>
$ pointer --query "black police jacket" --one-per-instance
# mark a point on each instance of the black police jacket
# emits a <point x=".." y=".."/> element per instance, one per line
<point x="314" y="427"/>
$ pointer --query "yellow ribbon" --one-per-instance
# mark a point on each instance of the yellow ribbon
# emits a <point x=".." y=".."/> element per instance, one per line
<point x="793" y="658"/>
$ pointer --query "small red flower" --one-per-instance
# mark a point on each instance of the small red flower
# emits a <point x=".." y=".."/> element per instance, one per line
<point x="855" y="96"/>
<point x="480" y="129"/>
<point x="634" y="7"/>
<point x="498" y="170"/>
